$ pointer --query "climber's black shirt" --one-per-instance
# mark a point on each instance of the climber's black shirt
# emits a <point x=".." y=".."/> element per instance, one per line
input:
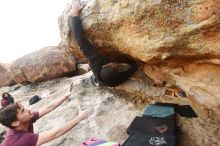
<point x="97" y="60"/>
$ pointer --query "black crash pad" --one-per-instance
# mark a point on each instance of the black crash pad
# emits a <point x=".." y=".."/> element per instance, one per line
<point x="138" y="139"/>
<point x="150" y="126"/>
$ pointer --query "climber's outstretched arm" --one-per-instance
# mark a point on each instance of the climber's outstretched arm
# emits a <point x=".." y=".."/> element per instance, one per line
<point x="96" y="60"/>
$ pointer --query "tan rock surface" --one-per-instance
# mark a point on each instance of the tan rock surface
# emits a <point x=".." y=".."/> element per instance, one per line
<point x="5" y="79"/>
<point x="170" y="37"/>
<point x="149" y="29"/>
<point x="45" y="64"/>
<point x="199" y="79"/>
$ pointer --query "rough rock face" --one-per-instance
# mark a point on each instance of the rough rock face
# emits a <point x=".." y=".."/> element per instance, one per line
<point x="5" y="78"/>
<point x="199" y="79"/>
<point x="47" y="63"/>
<point x="82" y="69"/>
<point x="180" y="39"/>
<point x="149" y="29"/>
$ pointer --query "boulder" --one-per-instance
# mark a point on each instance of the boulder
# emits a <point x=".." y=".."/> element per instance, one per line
<point x="5" y="79"/>
<point x="42" y="65"/>
<point x="82" y="69"/>
<point x="164" y="34"/>
<point x="149" y="30"/>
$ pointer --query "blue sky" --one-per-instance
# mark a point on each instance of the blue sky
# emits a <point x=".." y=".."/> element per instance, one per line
<point x="28" y="25"/>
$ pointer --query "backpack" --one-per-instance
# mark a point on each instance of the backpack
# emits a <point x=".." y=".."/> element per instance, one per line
<point x="10" y="99"/>
<point x="34" y="99"/>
